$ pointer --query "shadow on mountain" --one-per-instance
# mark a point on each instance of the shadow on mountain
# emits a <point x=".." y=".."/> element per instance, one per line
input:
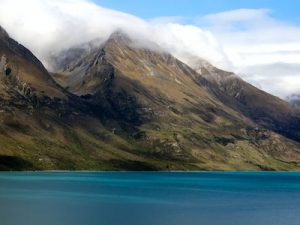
<point x="132" y="165"/>
<point x="14" y="163"/>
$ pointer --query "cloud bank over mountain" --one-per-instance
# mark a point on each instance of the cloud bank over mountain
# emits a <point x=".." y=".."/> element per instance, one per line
<point x="47" y="26"/>
<point x="249" y="42"/>
<point x="263" y="50"/>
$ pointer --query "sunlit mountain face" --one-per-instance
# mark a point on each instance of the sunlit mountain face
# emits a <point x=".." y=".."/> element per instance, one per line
<point x="116" y="105"/>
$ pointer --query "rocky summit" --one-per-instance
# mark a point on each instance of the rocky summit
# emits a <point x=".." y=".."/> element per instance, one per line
<point x="119" y="106"/>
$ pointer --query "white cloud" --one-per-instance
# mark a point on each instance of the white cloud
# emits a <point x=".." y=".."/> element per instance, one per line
<point x="280" y="78"/>
<point x="248" y="41"/>
<point x="227" y="18"/>
<point x="262" y="48"/>
<point x="45" y="26"/>
<point x="51" y="25"/>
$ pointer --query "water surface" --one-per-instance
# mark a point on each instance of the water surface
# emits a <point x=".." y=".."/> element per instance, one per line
<point x="146" y="198"/>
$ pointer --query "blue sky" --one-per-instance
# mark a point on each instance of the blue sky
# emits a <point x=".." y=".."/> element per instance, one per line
<point x="287" y="10"/>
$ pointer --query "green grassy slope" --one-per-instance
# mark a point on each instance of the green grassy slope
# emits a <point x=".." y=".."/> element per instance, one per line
<point x="124" y="108"/>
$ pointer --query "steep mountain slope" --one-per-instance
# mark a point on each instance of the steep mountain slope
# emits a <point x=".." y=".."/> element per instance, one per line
<point x="125" y="107"/>
<point x="169" y="111"/>
<point x="266" y="110"/>
<point x="19" y="61"/>
<point x="44" y="127"/>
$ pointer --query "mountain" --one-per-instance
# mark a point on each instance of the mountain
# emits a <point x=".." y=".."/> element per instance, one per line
<point x="294" y="99"/>
<point x="28" y="71"/>
<point x="172" y="112"/>
<point x="45" y="127"/>
<point x="119" y="106"/>
<point x="264" y="109"/>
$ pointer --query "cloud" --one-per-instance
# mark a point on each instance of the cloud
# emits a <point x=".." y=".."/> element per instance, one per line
<point x="280" y="78"/>
<point x="230" y="19"/>
<point x="254" y="37"/>
<point x="263" y="50"/>
<point x="47" y="26"/>
<point x="51" y="25"/>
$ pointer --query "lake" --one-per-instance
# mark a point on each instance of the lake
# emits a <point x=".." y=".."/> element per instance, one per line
<point x="149" y="198"/>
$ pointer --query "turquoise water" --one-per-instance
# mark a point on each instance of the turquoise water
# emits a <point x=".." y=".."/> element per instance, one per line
<point x="142" y="198"/>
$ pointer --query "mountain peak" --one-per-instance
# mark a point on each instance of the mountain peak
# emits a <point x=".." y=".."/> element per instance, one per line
<point x="129" y="106"/>
<point x="25" y="67"/>
<point x="19" y="49"/>
<point x="120" y="36"/>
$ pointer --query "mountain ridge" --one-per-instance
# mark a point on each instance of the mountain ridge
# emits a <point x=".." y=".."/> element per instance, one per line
<point x="265" y="109"/>
<point x="125" y="107"/>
